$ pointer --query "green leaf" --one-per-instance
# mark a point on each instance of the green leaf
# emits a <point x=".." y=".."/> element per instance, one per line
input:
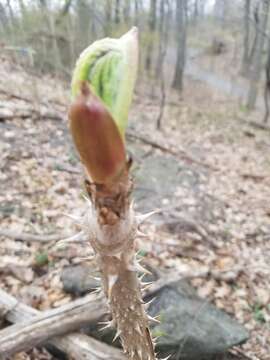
<point x="109" y="66"/>
<point x="41" y="258"/>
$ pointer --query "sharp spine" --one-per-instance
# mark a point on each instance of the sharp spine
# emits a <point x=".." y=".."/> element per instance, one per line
<point x="108" y="324"/>
<point x="74" y="238"/>
<point x="149" y="302"/>
<point x="140" y="268"/>
<point x="138" y="329"/>
<point x="117" y="334"/>
<point x="153" y="319"/>
<point x="111" y="282"/>
<point x="143" y="217"/>
<point x="141" y="234"/>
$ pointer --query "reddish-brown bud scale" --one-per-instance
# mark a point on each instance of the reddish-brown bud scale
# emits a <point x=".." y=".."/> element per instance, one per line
<point x="96" y="138"/>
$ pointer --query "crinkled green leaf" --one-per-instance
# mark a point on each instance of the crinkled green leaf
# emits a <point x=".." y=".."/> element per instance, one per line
<point x="110" y="68"/>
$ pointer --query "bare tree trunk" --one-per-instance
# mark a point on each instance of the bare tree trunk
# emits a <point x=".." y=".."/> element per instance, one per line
<point x="51" y="26"/>
<point x="245" y="58"/>
<point x="255" y="74"/>
<point x="181" y="45"/>
<point x="161" y="36"/>
<point x="267" y="86"/>
<point x="152" y="28"/>
<point x="108" y="17"/>
<point x="93" y="22"/>
<point x="163" y="40"/>
<point x="220" y="10"/>
<point x="257" y="30"/>
<point x="117" y="12"/>
<point x="196" y="11"/>
<point x="202" y="7"/>
<point x="126" y="11"/>
<point x="136" y="10"/>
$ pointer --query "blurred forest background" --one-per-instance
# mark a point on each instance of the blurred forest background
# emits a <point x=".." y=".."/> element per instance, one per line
<point x="199" y="138"/>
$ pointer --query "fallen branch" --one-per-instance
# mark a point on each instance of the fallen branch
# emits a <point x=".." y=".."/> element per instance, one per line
<point x="29" y="100"/>
<point x="78" y="345"/>
<point x="8" y="114"/>
<point x="44" y="326"/>
<point x="254" y="124"/>
<point x="178" y="153"/>
<point x="38" y="328"/>
<point x="31" y="237"/>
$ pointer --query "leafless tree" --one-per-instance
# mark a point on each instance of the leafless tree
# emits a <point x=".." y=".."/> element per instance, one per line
<point x="181" y="44"/>
<point x="117" y="12"/>
<point x="258" y="52"/>
<point x="246" y="52"/>
<point x="152" y="27"/>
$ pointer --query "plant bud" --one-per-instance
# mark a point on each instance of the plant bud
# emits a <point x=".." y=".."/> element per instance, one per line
<point x="96" y="137"/>
<point x="109" y="67"/>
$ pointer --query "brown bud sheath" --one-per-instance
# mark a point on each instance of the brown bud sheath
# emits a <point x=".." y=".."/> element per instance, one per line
<point x="96" y="137"/>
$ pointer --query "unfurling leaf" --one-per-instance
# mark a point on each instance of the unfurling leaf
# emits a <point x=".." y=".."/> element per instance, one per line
<point x="96" y="137"/>
<point x="109" y="66"/>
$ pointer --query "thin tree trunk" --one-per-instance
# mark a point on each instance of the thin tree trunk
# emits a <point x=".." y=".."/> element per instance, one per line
<point x="136" y="11"/>
<point x="126" y="11"/>
<point x="245" y="58"/>
<point x="161" y="37"/>
<point x="196" y="11"/>
<point x="267" y="86"/>
<point x="152" y="28"/>
<point x="51" y="25"/>
<point x="255" y="74"/>
<point x="181" y="45"/>
<point x="108" y="17"/>
<point x="117" y="12"/>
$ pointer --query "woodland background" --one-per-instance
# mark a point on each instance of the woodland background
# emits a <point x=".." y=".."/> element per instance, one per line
<point x="199" y="137"/>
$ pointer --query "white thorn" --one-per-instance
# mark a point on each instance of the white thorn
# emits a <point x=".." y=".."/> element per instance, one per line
<point x="132" y="204"/>
<point x="118" y="333"/>
<point x="108" y="324"/>
<point x="141" y="277"/>
<point x="96" y="290"/>
<point x="139" y="351"/>
<point x="111" y="282"/>
<point x="74" y="238"/>
<point x="76" y="219"/>
<point x="153" y="319"/>
<point x="86" y="258"/>
<point x="138" y="329"/>
<point x="118" y="255"/>
<point x="87" y="200"/>
<point x="143" y="217"/>
<point x="141" y="234"/>
<point x="140" y="268"/>
<point x="166" y="357"/>
<point x="149" y="302"/>
<point x="146" y="284"/>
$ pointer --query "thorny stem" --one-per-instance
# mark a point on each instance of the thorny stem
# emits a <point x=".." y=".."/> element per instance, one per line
<point x="112" y="230"/>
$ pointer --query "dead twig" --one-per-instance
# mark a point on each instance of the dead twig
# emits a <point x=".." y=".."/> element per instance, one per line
<point x="76" y="345"/>
<point x="178" y="153"/>
<point x="46" y="325"/>
<point x="31" y="237"/>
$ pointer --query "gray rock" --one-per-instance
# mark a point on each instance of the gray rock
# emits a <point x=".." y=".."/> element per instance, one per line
<point x="79" y="280"/>
<point x="192" y="328"/>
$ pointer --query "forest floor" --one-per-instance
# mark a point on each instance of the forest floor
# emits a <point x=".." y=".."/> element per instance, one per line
<point x="207" y="170"/>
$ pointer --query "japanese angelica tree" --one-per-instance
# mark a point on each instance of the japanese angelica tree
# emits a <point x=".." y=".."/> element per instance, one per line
<point x="102" y="88"/>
